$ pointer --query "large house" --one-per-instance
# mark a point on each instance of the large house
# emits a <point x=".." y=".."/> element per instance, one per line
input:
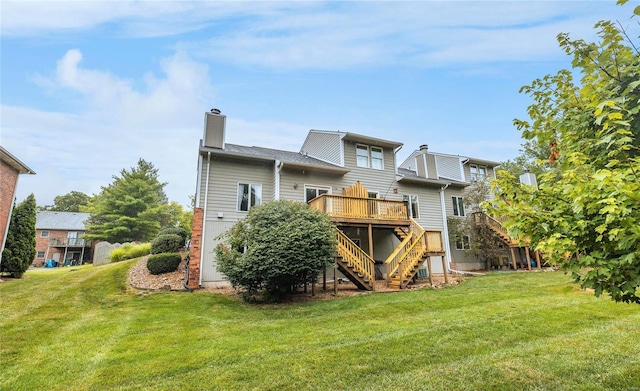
<point x="59" y="238"/>
<point x="391" y="217"/>
<point x="10" y="169"/>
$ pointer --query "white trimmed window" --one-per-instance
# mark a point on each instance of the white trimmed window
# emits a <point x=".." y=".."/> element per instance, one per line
<point x="478" y="172"/>
<point x="311" y="192"/>
<point x="249" y="195"/>
<point x="44" y="233"/>
<point x="458" y="206"/>
<point x="463" y="242"/>
<point x="40" y="254"/>
<point x="412" y="204"/>
<point x="369" y="157"/>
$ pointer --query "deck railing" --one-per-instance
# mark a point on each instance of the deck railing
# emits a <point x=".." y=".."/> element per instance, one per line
<point x="360" y="208"/>
<point x="69" y="242"/>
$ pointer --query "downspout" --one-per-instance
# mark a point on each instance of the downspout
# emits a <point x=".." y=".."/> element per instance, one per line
<point x="204" y="216"/>
<point x="278" y="167"/>
<point x="446" y="236"/>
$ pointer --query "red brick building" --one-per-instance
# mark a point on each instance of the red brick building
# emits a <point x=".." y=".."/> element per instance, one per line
<point x="10" y="170"/>
<point x="59" y="237"/>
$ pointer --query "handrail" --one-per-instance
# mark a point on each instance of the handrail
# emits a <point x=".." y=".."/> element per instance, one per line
<point x="392" y="263"/>
<point x="357" y="207"/>
<point x="355" y="257"/>
<point x="414" y="254"/>
<point x="495" y="225"/>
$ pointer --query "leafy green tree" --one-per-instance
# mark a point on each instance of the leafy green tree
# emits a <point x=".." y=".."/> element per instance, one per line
<point x="585" y="215"/>
<point x="534" y="158"/>
<point x="131" y="208"/>
<point x="280" y="245"/>
<point x="20" y="247"/>
<point x="70" y="202"/>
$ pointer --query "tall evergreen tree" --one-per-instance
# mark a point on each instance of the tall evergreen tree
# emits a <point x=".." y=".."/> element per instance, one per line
<point x="20" y="248"/>
<point x="130" y="209"/>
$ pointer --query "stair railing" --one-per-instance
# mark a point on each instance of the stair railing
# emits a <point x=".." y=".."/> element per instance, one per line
<point x="355" y="257"/>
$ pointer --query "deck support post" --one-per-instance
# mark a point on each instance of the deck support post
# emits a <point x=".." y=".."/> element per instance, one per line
<point x="513" y="258"/>
<point x="526" y="250"/>
<point x="335" y="278"/>
<point x="324" y="279"/>
<point x="371" y="241"/>
<point x="538" y="260"/>
<point x="444" y="270"/>
<point x="429" y="271"/>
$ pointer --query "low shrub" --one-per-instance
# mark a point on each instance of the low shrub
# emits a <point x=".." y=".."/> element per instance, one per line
<point x="163" y="263"/>
<point x="166" y="243"/>
<point x="178" y="231"/>
<point x="129" y="251"/>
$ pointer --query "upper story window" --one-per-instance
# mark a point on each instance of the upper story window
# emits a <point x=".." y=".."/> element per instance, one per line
<point x="311" y="192"/>
<point x="44" y="233"/>
<point x="458" y="206"/>
<point x="478" y="172"/>
<point x="412" y="203"/>
<point x="369" y="157"/>
<point x="249" y="195"/>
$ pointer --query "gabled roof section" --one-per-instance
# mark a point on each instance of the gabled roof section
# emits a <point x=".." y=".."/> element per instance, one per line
<point x="71" y="221"/>
<point x="483" y="162"/>
<point x="13" y="161"/>
<point x="289" y="159"/>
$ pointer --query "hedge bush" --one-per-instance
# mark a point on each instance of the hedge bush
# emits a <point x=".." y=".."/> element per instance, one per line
<point x="163" y="263"/>
<point x="178" y="231"/>
<point x="166" y="243"/>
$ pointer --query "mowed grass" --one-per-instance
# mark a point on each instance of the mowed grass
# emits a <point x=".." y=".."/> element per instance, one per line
<point x="85" y="330"/>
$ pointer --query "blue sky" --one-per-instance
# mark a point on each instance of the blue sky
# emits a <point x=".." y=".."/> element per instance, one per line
<point x="89" y="87"/>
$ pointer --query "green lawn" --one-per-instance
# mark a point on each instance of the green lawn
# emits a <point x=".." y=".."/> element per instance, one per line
<point x="83" y="330"/>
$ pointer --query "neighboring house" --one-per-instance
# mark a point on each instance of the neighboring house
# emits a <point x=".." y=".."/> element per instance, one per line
<point x="391" y="219"/>
<point x="59" y="237"/>
<point x="10" y="170"/>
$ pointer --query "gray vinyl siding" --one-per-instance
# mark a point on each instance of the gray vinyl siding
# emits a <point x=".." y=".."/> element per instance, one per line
<point x="224" y="177"/>
<point x="300" y="179"/>
<point x="373" y="179"/>
<point x="410" y="162"/>
<point x="325" y="146"/>
<point x="448" y="167"/>
<point x="430" y="212"/>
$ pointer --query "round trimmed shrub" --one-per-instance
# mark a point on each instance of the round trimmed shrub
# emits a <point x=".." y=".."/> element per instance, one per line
<point x="176" y="230"/>
<point x="166" y="243"/>
<point x="163" y="263"/>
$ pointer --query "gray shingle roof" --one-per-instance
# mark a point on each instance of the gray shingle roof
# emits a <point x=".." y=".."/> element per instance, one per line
<point x="411" y="175"/>
<point x="73" y="221"/>
<point x="287" y="157"/>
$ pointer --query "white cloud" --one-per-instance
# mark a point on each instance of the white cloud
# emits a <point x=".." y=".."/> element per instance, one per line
<point x="160" y="122"/>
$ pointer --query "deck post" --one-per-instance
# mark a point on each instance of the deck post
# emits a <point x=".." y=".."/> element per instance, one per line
<point x="324" y="279"/>
<point x="513" y="258"/>
<point x="444" y="270"/>
<point x="335" y="279"/>
<point x="429" y="271"/>
<point x="538" y="260"/>
<point x="371" y="241"/>
<point x="526" y="250"/>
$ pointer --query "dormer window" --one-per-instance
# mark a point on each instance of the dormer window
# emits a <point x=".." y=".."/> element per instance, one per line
<point x="369" y="157"/>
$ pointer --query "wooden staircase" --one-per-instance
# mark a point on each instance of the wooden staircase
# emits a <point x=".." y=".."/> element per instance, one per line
<point x="497" y="228"/>
<point x="404" y="262"/>
<point x="354" y="263"/>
